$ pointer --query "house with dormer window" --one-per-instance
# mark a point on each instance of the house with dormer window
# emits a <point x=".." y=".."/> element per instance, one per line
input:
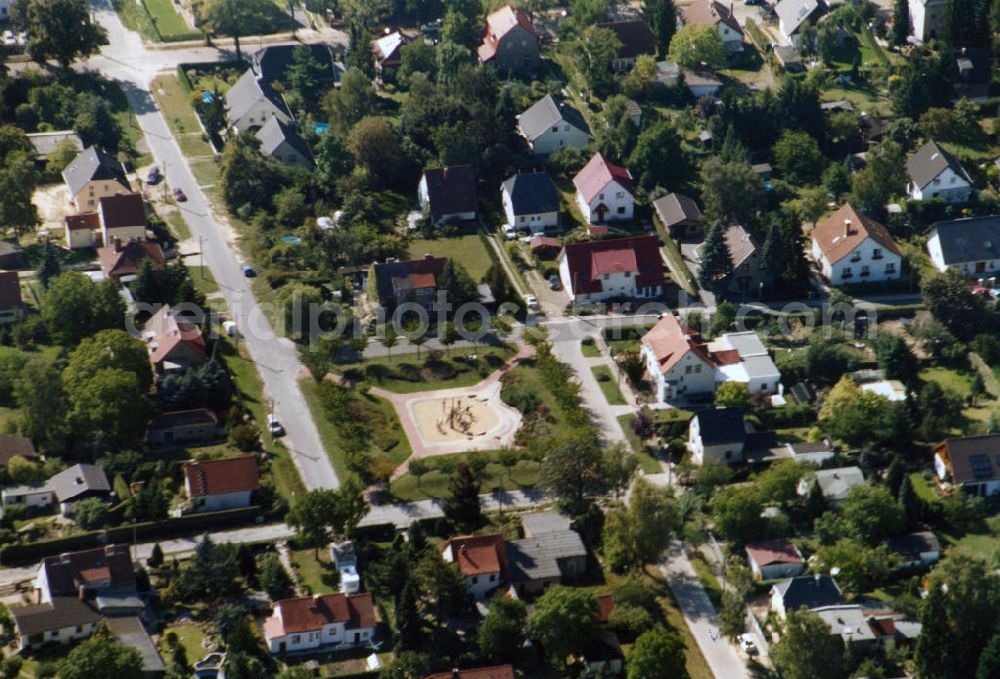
<point x="850" y="248"/>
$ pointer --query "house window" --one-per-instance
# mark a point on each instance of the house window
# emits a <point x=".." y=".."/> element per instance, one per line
<point x="566" y="128"/>
<point x="296" y="638"/>
<point x="475" y="580"/>
<point x="890" y="267"/>
<point x="620" y="194"/>
<point x="555" y="129"/>
<point x="688" y="369"/>
<point x="877" y="253"/>
<point x="621" y="210"/>
<point x="521" y="218"/>
<point x="493" y="577"/>
<point x="79" y="628"/>
<point x="607" y="276"/>
<point x="846" y="272"/>
<point x="937" y="181"/>
<point x="865" y="271"/>
<point x="697" y="368"/>
<point x="600" y="196"/>
<point x="628" y="274"/>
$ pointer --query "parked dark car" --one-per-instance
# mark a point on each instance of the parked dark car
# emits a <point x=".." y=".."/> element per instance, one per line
<point x="179" y="195"/>
<point x="154" y="177"/>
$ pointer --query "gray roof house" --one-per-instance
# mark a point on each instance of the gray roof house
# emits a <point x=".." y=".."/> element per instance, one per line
<point x="537" y="524"/>
<point x="251" y="101"/>
<point x="45" y="143"/>
<point x="916" y="550"/>
<point x="129" y="632"/>
<point x="546" y="559"/>
<point x="272" y="62"/>
<point x="835" y="484"/>
<point x="680" y="214"/>
<point x="935" y="173"/>
<point x="78" y="482"/>
<point x="530" y="199"/>
<point x="792" y="14"/>
<point x="93" y="165"/>
<point x="971" y="246"/>
<point x="549" y="125"/>
<point x="281" y="142"/>
<point x="805" y="591"/>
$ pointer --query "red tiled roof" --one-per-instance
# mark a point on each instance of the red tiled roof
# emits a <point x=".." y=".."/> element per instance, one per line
<point x="587" y="261"/>
<point x="170" y="331"/>
<point x="216" y="477"/>
<point x="111" y="565"/>
<point x="479" y="554"/>
<point x="124" y="209"/>
<point x="88" y="221"/>
<point x="605" y="604"/>
<point x="125" y="260"/>
<point x="10" y="291"/>
<point x="840" y="233"/>
<point x="307" y="614"/>
<point x="497" y="672"/>
<point x="727" y="356"/>
<point x="882" y="627"/>
<point x="711" y="13"/>
<point x="498" y="25"/>
<point x="767" y="552"/>
<point x="544" y="242"/>
<point x="597" y="173"/>
<point x="670" y="340"/>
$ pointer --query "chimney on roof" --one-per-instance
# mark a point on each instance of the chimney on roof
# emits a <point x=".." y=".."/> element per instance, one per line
<point x="847" y="227"/>
<point x="118" y="244"/>
<point x="818" y="577"/>
<point x="109" y="550"/>
<point x="428" y="255"/>
<point x="455" y="673"/>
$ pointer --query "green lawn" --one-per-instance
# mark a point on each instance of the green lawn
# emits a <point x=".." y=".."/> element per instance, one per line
<point x="647" y="461"/>
<point x="606" y="381"/>
<point x="206" y="172"/>
<point x="923" y="488"/>
<point x="177" y="224"/>
<point x="467" y="250"/>
<point x="405" y="374"/>
<point x="494" y="475"/>
<point x="161" y="24"/>
<point x="251" y="390"/>
<point x="949" y="379"/>
<point x="203" y="279"/>
<point x="312" y="572"/>
<point x="590" y="349"/>
<point x="708" y="579"/>
<point x="190" y="637"/>
<point x="175" y="104"/>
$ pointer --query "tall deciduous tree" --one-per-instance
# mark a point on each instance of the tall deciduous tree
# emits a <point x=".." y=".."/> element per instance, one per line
<point x="42" y="400"/>
<point x="108" y="349"/>
<point x="573" y="471"/>
<point x="732" y="191"/>
<point x="58" y="29"/>
<point x="595" y="50"/>
<point x="807" y="650"/>
<point x="502" y="634"/>
<point x="658" y="159"/>
<point x="102" y="656"/>
<point x="637" y="534"/>
<point x="798" y="157"/>
<point x="564" y="622"/>
<point x="698" y="45"/>
<point x="308" y="78"/>
<point x="657" y="654"/>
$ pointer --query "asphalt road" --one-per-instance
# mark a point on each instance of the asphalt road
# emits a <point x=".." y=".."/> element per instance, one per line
<point x="127" y="60"/>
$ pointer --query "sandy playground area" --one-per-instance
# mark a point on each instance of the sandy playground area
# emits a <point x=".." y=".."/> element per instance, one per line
<point x="456" y="420"/>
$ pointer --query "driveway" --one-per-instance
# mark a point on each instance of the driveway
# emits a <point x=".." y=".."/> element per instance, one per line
<point x="127" y="60"/>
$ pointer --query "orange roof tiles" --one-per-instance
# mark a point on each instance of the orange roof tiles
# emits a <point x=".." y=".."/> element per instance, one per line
<point x="305" y="614"/>
<point x="670" y="340"/>
<point x="479" y="554"/>
<point x="843" y="231"/>
<point x="228" y="475"/>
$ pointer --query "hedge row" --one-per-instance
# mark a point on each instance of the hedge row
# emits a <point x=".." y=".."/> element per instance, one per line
<point x="146" y="531"/>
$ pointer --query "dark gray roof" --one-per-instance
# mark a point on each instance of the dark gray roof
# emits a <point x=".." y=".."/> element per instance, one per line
<point x="247" y="91"/>
<point x="974" y="459"/>
<point x="274" y="133"/>
<point x="45" y="143"/>
<point x="722" y="425"/>
<point x="538" y="558"/>
<point x="272" y="62"/>
<point x="545" y="113"/>
<point x="675" y="208"/>
<point x="93" y="164"/>
<point x="969" y="240"/>
<point x="911" y="546"/>
<point x="543" y="523"/>
<point x="809" y="591"/>
<point x="532" y="193"/>
<point x="79" y="479"/>
<point x="130" y="632"/>
<point x="931" y="160"/>
<point x="62" y="613"/>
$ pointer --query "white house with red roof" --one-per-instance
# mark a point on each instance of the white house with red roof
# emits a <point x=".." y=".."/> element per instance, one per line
<point x="510" y="41"/>
<point x="714" y="13"/>
<point x="174" y="342"/>
<point x="482" y="559"/>
<point x="604" y="191"/>
<point x="327" y="622"/>
<point x="495" y="672"/>
<point x="618" y="268"/>
<point x="774" y="559"/>
<point x="849" y="248"/>
<point x="216" y="485"/>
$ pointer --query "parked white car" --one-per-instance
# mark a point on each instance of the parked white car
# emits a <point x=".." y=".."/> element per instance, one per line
<point x="531" y="301"/>
<point x="510" y="232"/>
<point x="748" y="645"/>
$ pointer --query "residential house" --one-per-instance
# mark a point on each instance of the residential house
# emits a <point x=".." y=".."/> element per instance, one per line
<point x="538" y="524"/>
<point x="510" y="41"/>
<point x="79" y="482"/>
<point x="322" y="622"/>
<point x="701" y="84"/>
<point x="80" y="230"/>
<point x="926" y="17"/>
<point x="806" y="452"/>
<point x="604" y="191"/>
<point x="92" y="175"/>
<point x="482" y="559"/>
<point x="103" y="575"/>
<point x="774" y="559"/>
<point x="680" y="215"/>
<point x="281" y="142"/>
<point x="970" y="246"/>
<point x="174" y="341"/>
<point x="5" y="10"/>
<point x="345" y="560"/>
<point x="11" y="304"/>
<point x="548" y="126"/>
<point x="252" y="101"/>
<point x="130" y="633"/>
<point x="850" y="248"/>
<point x="636" y="39"/>
<point x="935" y="173"/>
<point x="971" y="463"/>
<point x="28" y="495"/>
<point x="838" y="106"/>
<point x="920" y="549"/>
<point x="714" y="13"/>
<point x="46" y="143"/>
<point x="61" y="620"/>
<point x="414" y="281"/>
<point x="198" y="426"/>
<point x="496" y="672"/>
<point x="806" y="591"/>
<point x="834" y="484"/>
<point x="387" y="51"/>
<point x="122" y="217"/>
<point x="448" y="194"/>
<point x="667" y="73"/>
<point x="852" y="625"/>
<point x="793" y="15"/>
<point x="748" y="274"/>
<point x="12" y="255"/>
<point x="271" y="63"/>
<point x="975" y="73"/>
<point x="217" y="485"/>
<point x="718" y="436"/>
<point x="13" y="445"/>
<point x="603" y="655"/>
<point x="614" y="268"/>
<point x="681" y="363"/>
<point x="545" y="247"/>
<point x="546" y="559"/>
<point x="894" y="390"/>
<point x="120" y="260"/>
<point x="531" y="201"/>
